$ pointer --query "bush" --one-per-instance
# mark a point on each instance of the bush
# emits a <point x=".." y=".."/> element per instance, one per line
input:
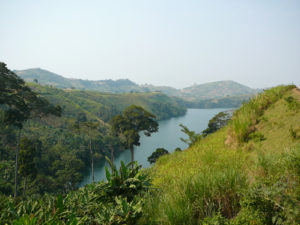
<point x="292" y="103"/>
<point x="158" y="153"/>
<point x="257" y="137"/>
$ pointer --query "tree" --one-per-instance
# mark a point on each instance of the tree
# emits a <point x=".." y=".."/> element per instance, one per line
<point x="20" y="104"/>
<point x="27" y="166"/>
<point x="111" y="143"/>
<point x="217" y="122"/>
<point x="133" y="120"/>
<point x="82" y="125"/>
<point x="158" y="153"/>
<point x="193" y="136"/>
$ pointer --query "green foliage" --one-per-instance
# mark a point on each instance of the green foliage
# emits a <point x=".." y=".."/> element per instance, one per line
<point x="224" y="102"/>
<point x="217" y="122"/>
<point x="216" y="183"/>
<point x="193" y="137"/>
<point x="27" y="155"/>
<point x="117" y="201"/>
<point x="156" y="154"/>
<point x="257" y="137"/>
<point x="7" y="168"/>
<point x="133" y="120"/>
<point x="19" y="101"/>
<point x="292" y="103"/>
<point x="177" y="150"/>
<point x="212" y="91"/>
<point x="244" y="119"/>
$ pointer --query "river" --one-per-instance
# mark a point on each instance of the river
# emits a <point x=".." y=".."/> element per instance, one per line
<point x="168" y="137"/>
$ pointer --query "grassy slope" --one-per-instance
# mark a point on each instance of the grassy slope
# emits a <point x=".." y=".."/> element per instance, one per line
<point x="197" y="181"/>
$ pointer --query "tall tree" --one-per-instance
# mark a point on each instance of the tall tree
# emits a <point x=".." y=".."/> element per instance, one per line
<point x="82" y="125"/>
<point x="20" y="104"/>
<point x="111" y="143"/>
<point x="27" y="154"/>
<point x="133" y="120"/>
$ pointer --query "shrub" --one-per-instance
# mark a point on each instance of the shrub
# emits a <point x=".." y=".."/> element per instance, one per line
<point x="257" y="137"/>
<point x="117" y="201"/>
<point x="158" y="153"/>
<point x="292" y="103"/>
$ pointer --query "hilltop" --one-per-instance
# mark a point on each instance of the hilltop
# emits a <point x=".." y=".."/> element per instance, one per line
<point x="218" y="89"/>
<point x="212" y="90"/>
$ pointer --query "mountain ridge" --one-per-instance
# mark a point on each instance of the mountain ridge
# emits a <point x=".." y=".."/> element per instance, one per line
<point x="210" y="90"/>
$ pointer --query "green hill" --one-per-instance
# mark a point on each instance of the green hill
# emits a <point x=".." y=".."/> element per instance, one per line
<point x="245" y="173"/>
<point x="218" y="89"/>
<point x="208" y="91"/>
<point x="45" y="77"/>
<point x="107" y="105"/>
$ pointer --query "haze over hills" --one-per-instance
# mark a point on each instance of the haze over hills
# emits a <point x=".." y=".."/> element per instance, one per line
<point x="212" y="90"/>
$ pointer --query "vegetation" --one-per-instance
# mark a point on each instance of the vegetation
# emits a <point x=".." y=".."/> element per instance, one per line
<point x="119" y="200"/>
<point x="20" y="104"/>
<point x="133" y="120"/>
<point x="209" y="95"/>
<point x="104" y="106"/>
<point x="193" y="137"/>
<point x="248" y="116"/>
<point x="213" y="182"/>
<point x="156" y="154"/>
<point x="64" y="147"/>
<point x="244" y="173"/>
<point x="217" y="122"/>
<point x="226" y="102"/>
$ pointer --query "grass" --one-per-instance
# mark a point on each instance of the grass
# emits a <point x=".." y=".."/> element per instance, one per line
<point x="252" y="179"/>
<point x="246" y="118"/>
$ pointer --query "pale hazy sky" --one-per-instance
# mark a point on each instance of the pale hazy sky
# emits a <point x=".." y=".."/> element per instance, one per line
<point x="161" y="42"/>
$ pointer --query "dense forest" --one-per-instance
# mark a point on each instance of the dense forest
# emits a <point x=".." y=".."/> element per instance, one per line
<point x="57" y="149"/>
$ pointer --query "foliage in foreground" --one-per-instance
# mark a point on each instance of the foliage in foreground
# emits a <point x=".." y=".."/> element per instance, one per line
<point x="117" y="201"/>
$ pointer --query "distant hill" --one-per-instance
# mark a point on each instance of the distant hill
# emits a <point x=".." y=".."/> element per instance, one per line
<point x="218" y="89"/>
<point x="45" y="77"/>
<point x="213" y="90"/>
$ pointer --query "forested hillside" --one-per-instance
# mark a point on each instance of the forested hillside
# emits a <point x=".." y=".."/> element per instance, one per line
<point x="58" y="149"/>
<point x="107" y="105"/>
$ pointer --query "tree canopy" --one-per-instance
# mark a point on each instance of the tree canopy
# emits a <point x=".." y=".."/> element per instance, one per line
<point x="19" y="101"/>
<point x="133" y="120"/>
<point x="158" y="153"/>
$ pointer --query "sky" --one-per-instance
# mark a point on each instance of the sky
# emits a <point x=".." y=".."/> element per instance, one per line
<point x="160" y="42"/>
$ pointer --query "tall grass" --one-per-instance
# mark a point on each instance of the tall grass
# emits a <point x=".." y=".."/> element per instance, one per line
<point x="213" y="183"/>
<point x="244" y="119"/>
<point x="213" y="190"/>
